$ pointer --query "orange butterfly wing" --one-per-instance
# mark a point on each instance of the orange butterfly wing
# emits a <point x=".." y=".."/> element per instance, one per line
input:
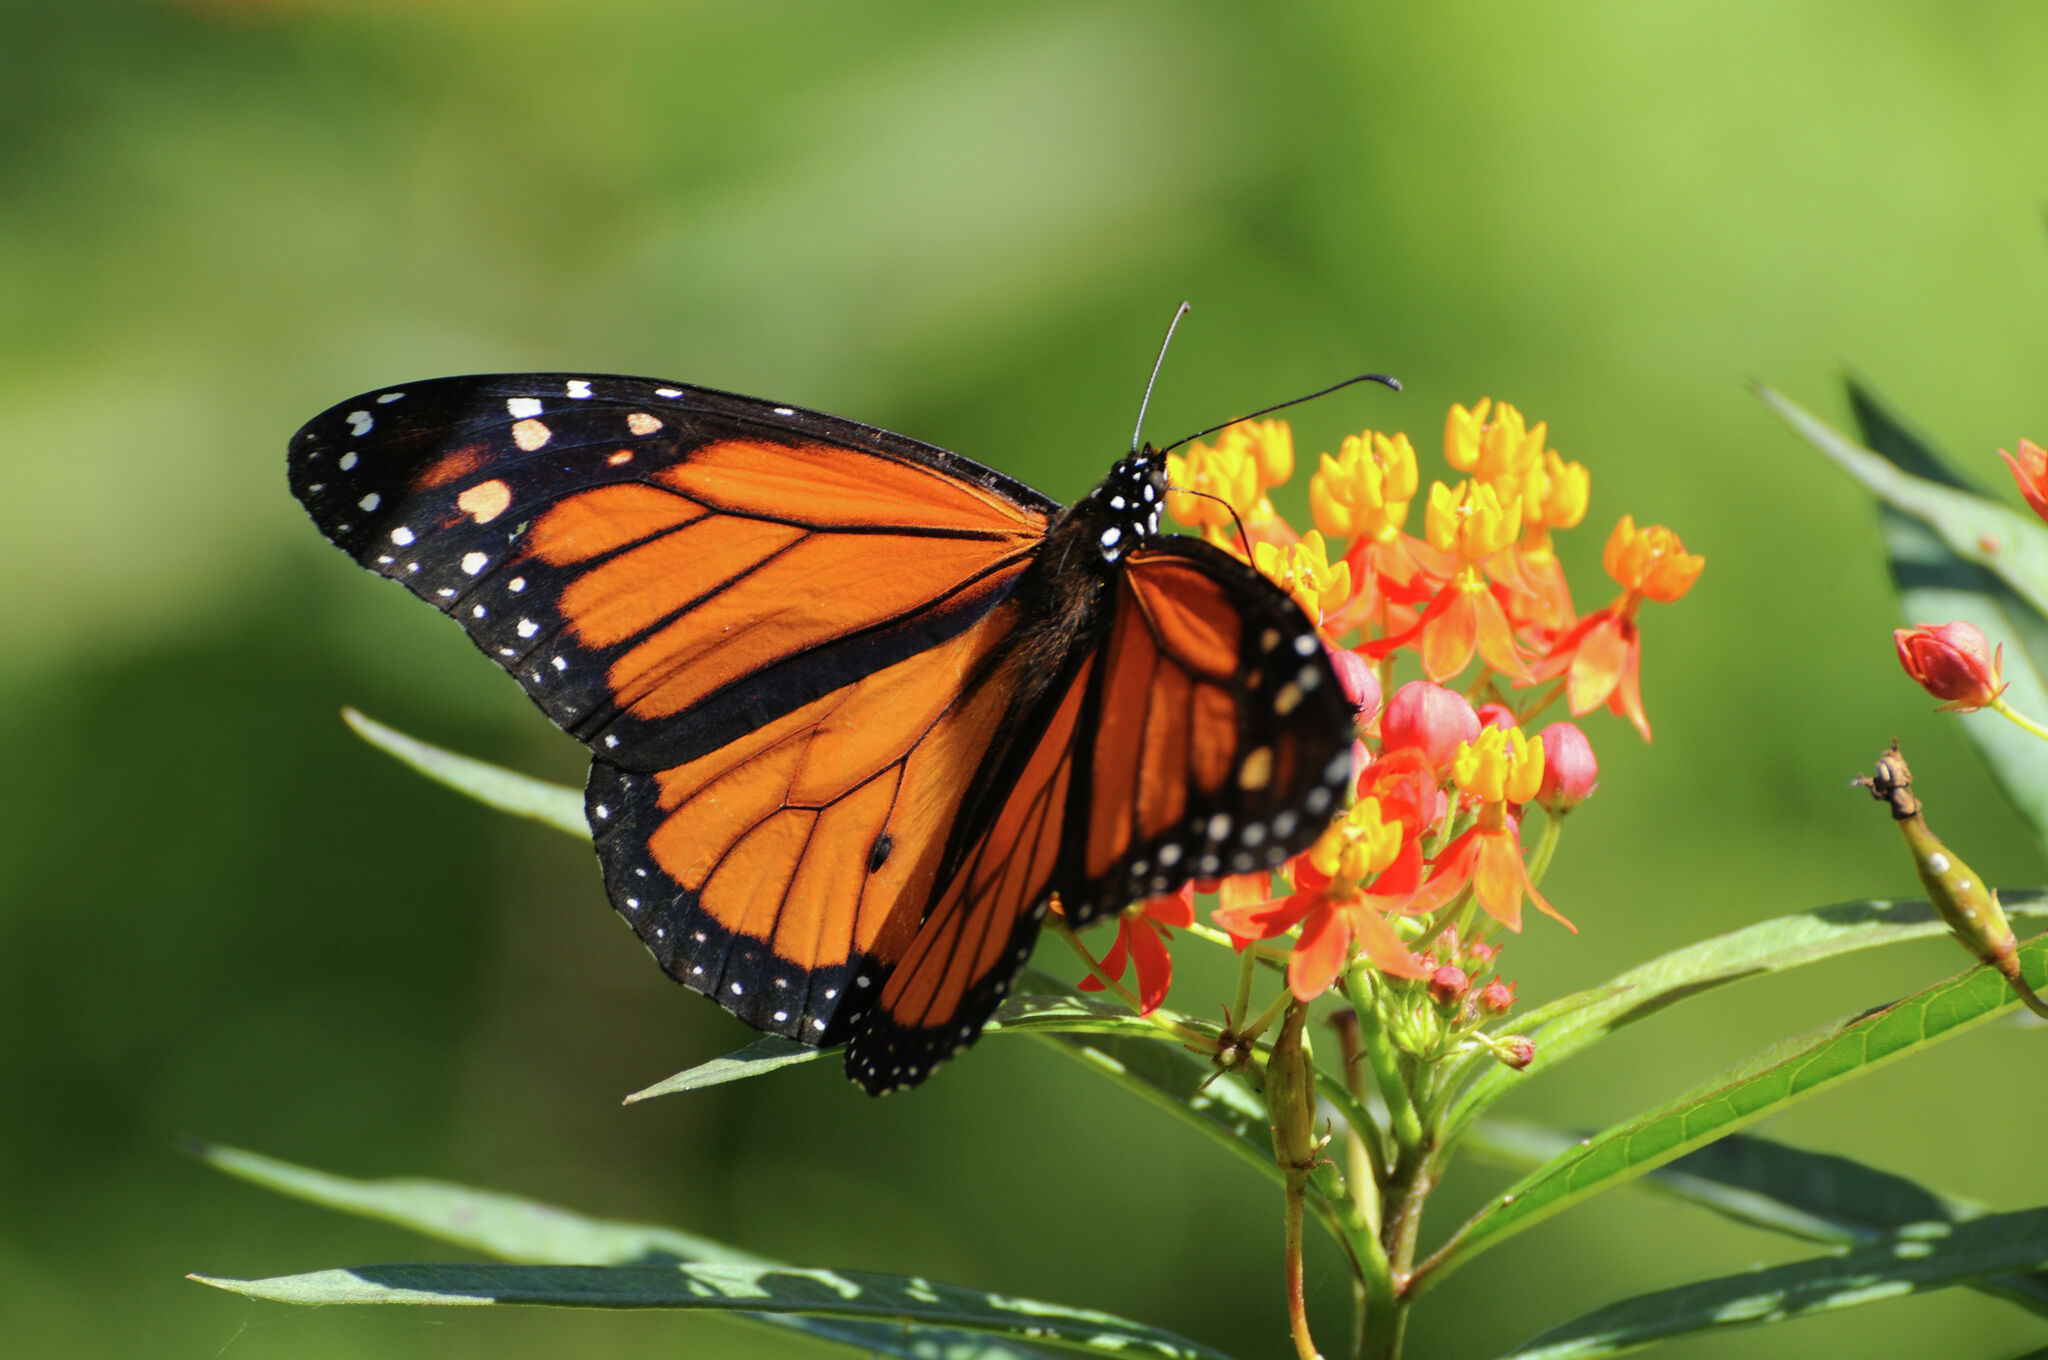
<point x="1203" y="733"/>
<point x="664" y="569"/>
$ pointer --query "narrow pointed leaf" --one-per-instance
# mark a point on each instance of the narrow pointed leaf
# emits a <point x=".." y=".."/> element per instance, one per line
<point x="516" y="1229"/>
<point x="1761" y="1085"/>
<point x="555" y="805"/>
<point x="1919" y="1257"/>
<point x="1987" y="533"/>
<point x="1766" y="947"/>
<point x="752" y="1290"/>
<point x="1816" y="1196"/>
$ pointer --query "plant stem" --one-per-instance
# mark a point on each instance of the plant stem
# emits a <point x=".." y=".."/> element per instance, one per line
<point x="1297" y="1298"/>
<point x="1247" y="969"/>
<point x="1543" y="701"/>
<point x="1386" y="1064"/>
<point x="1539" y="863"/>
<point x="2005" y="710"/>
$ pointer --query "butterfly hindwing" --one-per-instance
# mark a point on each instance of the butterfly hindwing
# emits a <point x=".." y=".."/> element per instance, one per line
<point x="1218" y="740"/>
<point x="785" y="873"/>
<point x="663" y="568"/>
<point x="1201" y="732"/>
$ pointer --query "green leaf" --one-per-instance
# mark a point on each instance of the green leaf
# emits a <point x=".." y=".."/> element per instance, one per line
<point x="1759" y="1086"/>
<point x="752" y="1290"/>
<point x="1921" y="1256"/>
<point x="1975" y="528"/>
<point x="494" y="786"/>
<point x="1580" y="1021"/>
<point x="1936" y="586"/>
<point x="1816" y="1196"/>
<point x="517" y="1229"/>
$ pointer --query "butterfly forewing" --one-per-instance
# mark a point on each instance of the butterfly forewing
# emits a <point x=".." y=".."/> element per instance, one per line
<point x="663" y="568"/>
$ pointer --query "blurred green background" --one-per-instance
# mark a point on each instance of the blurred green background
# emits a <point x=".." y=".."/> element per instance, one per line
<point x="222" y="916"/>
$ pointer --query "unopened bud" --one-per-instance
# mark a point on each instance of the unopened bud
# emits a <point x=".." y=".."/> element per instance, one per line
<point x="1429" y="718"/>
<point x="1517" y="1051"/>
<point x="1360" y="683"/>
<point x="1496" y="715"/>
<point x="1480" y="956"/>
<point x="1496" y="998"/>
<point x="1448" y="985"/>
<point x="1570" y="773"/>
<point x="1952" y="662"/>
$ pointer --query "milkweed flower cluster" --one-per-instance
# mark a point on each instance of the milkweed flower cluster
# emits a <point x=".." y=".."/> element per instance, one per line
<point x="1417" y="878"/>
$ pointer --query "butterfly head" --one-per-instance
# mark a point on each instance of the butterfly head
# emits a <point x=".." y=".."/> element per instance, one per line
<point x="1126" y="505"/>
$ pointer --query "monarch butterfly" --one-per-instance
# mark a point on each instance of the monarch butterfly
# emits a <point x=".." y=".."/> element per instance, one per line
<point x="859" y="709"/>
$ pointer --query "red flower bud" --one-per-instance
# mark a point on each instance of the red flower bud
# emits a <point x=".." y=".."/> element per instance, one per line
<point x="1480" y="956"/>
<point x="1517" y="1052"/>
<point x="1448" y="985"/>
<point x="1361" y="683"/>
<point x="1496" y="715"/>
<point x="2030" y="470"/>
<point x="1496" y="997"/>
<point x="1952" y="662"/>
<point x="1570" y="773"/>
<point x="1429" y="718"/>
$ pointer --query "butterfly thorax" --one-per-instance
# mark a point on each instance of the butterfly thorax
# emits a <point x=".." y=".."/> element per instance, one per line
<point x="1123" y="511"/>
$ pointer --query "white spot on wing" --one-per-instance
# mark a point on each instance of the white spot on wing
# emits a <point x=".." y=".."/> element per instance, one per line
<point x="347" y="460"/>
<point x="523" y="408"/>
<point x="579" y="388"/>
<point x="668" y="391"/>
<point x="388" y="398"/>
<point x="371" y="501"/>
<point x="527" y="628"/>
<point x="472" y="563"/>
<point x="360" y="423"/>
<point x="401" y="535"/>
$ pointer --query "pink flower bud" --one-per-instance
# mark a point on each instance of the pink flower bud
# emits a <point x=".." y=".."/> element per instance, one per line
<point x="1952" y="662"/>
<point x="1429" y="718"/>
<point x="1570" y="773"/>
<point x="1480" y="956"/>
<point x="1496" y="715"/>
<point x="1448" y="985"/>
<point x="1496" y="997"/>
<point x="1361" y="684"/>
<point x="1517" y="1052"/>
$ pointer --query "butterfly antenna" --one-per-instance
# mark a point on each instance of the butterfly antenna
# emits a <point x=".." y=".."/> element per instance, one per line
<point x="1242" y="536"/>
<point x="1381" y="378"/>
<point x="1171" y="326"/>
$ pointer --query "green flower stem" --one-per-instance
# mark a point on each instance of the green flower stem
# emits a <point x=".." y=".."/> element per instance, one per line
<point x="2018" y="719"/>
<point x="1543" y="701"/>
<point x="1247" y="971"/>
<point x="1451" y="912"/>
<point x="1194" y="1039"/>
<point x="1251" y="1033"/>
<point x="1365" y="1161"/>
<point x="1539" y="863"/>
<point x="1386" y="1064"/>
